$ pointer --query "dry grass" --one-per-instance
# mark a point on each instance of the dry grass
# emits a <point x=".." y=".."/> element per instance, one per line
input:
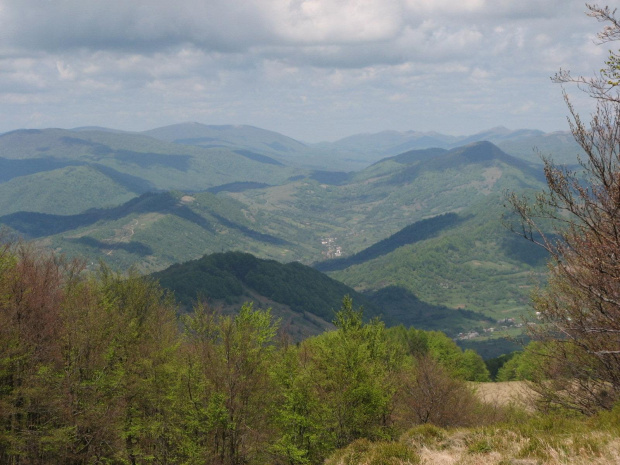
<point x="516" y="393"/>
<point x="486" y="447"/>
<point x="521" y="439"/>
<point x="507" y="446"/>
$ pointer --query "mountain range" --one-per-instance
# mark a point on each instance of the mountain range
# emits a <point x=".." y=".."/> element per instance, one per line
<point x="412" y="221"/>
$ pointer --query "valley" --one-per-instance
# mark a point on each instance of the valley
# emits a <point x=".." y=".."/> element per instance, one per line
<point x="416" y="225"/>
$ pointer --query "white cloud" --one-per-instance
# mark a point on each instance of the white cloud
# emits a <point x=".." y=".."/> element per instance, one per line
<point x="291" y="64"/>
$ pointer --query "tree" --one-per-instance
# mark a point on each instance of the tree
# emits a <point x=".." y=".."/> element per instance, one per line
<point x="430" y="394"/>
<point x="579" y="309"/>
<point x="230" y="389"/>
<point x="341" y="388"/>
<point x="31" y="302"/>
<point x="86" y="364"/>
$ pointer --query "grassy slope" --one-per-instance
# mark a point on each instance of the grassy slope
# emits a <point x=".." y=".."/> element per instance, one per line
<point x="516" y="436"/>
<point x="527" y="442"/>
<point x="62" y="191"/>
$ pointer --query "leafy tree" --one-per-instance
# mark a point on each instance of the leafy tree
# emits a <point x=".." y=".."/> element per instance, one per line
<point x="580" y="307"/>
<point x="140" y="353"/>
<point x="31" y="409"/>
<point x="497" y="363"/>
<point x="341" y="389"/>
<point x="229" y="385"/>
<point x="85" y="364"/>
<point x="466" y="365"/>
<point x="526" y="365"/>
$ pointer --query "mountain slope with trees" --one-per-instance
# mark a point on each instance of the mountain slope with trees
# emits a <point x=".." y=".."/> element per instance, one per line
<point x="305" y="298"/>
<point x="154" y="231"/>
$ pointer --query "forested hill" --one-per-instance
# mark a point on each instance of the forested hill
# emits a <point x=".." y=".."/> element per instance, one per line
<point x="232" y="277"/>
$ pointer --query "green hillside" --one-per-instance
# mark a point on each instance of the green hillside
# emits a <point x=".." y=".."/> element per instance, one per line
<point x="304" y="297"/>
<point x="476" y="265"/>
<point x="64" y="191"/>
<point x="419" y="231"/>
<point x="155" y="230"/>
<point x="145" y="162"/>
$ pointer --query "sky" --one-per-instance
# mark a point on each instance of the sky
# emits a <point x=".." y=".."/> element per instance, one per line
<point x="311" y="69"/>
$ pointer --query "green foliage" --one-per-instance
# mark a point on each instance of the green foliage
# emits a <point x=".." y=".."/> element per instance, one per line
<point x="523" y="365"/>
<point x="230" y="387"/>
<point x="495" y="364"/>
<point x="473" y="367"/>
<point x="231" y="275"/>
<point x="340" y="387"/>
<point x="96" y="362"/>
<point x="466" y="365"/>
<point x="97" y="368"/>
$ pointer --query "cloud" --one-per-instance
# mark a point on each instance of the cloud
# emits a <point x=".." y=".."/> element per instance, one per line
<point x="233" y="26"/>
<point x="371" y="63"/>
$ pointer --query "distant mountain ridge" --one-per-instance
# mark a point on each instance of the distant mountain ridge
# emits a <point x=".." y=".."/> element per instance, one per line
<point x="396" y="141"/>
<point x="122" y="161"/>
<point x="235" y="136"/>
<point x="483" y="153"/>
<point x="521" y="143"/>
<point x="350" y="153"/>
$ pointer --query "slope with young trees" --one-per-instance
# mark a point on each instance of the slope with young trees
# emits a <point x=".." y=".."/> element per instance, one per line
<point x="98" y="368"/>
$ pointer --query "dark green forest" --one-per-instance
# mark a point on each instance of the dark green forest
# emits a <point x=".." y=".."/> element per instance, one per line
<point x="229" y="275"/>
